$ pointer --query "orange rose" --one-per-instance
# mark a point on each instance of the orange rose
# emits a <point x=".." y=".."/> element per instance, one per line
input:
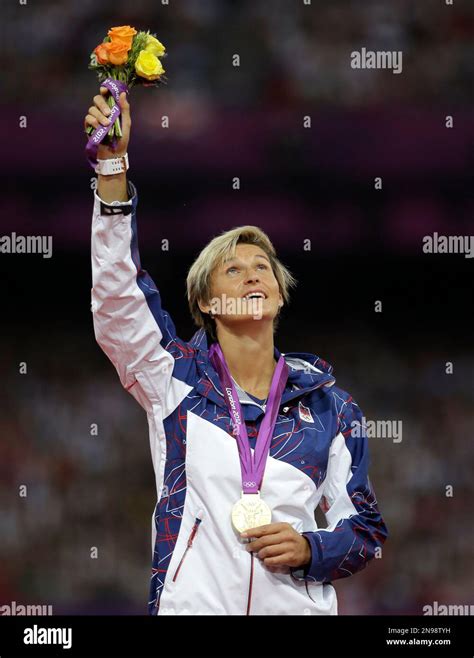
<point x="102" y="54"/>
<point x="117" y="52"/>
<point x="123" y="34"/>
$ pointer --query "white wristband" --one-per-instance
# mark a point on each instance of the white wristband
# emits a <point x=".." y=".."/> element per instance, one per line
<point x="112" y="166"/>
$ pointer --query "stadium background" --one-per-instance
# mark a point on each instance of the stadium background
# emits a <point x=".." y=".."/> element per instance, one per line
<point x="296" y="184"/>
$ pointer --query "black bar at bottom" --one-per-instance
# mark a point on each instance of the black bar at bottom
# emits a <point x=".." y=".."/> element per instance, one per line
<point x="245" y="637"/>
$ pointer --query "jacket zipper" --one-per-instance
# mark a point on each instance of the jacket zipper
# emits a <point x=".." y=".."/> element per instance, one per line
<point x="249" y="596"/>
<point x="191" y="537"/>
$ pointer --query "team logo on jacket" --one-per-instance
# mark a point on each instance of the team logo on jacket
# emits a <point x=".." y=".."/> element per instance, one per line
<point x="305" y="413"/>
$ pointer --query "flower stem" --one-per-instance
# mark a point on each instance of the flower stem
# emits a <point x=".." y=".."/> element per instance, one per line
<point x="118" y="128"/>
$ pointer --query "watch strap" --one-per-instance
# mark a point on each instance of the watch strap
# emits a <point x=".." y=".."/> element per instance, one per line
<point x="111" y="166"/>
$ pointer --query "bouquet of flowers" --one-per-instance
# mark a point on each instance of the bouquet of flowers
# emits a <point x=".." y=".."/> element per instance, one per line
<point x="131" y="58"/>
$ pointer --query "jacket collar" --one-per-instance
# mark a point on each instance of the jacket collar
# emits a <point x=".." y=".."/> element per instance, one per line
<point x="306" y="372"/>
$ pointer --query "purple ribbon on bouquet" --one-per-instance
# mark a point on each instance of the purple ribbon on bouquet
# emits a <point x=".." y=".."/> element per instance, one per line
<point x="116" y="87"/>
<point x="252" y="469"/>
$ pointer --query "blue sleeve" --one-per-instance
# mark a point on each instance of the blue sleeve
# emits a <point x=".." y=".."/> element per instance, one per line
<point x="355" y="526"/>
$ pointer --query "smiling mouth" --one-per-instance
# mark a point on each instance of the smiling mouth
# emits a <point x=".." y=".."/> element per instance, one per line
<point x="255" y="295"/>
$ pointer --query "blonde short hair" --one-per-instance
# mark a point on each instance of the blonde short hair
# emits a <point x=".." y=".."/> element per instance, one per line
<point x="198" y="281"/>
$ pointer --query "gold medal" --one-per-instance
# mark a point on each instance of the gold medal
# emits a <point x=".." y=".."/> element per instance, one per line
<point x="250" y="512"/>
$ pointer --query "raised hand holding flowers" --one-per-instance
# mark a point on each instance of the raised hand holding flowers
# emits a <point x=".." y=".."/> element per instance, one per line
<point x="124" y="58"/>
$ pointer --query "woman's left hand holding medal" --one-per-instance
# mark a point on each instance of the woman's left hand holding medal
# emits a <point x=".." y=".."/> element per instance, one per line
<point x="279" y="546"/>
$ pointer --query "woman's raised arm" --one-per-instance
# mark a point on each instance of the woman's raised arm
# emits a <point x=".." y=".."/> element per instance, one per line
<point x="130" y="325"/>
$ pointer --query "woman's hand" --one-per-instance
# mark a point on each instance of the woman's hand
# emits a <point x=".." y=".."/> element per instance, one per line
<point x="279" y="546"/>
<point x="97" y="115"/>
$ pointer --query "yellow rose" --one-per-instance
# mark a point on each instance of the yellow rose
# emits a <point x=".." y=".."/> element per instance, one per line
<point x="154" y="46"/>
<point x="148" y="66"/>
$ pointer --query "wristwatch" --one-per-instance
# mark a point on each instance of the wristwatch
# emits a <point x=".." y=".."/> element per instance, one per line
<point x="112" y="166"/>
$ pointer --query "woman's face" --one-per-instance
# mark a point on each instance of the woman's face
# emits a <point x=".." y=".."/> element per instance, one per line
<point x="244" y="287"/>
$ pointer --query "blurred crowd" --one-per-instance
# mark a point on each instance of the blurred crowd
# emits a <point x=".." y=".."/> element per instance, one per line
<point x="79" y="442"/>
<point x="290" y="51"/>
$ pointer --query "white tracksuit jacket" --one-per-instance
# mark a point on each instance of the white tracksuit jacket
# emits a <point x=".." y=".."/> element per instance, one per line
<point x="199" y="565"/>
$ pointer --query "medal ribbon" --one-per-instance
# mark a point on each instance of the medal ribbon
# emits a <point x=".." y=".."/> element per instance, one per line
<point x="115" y="87"/>
<point x="252" y="468"/>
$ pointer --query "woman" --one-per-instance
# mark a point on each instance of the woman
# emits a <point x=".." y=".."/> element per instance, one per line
<point x="245" y="443"/>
